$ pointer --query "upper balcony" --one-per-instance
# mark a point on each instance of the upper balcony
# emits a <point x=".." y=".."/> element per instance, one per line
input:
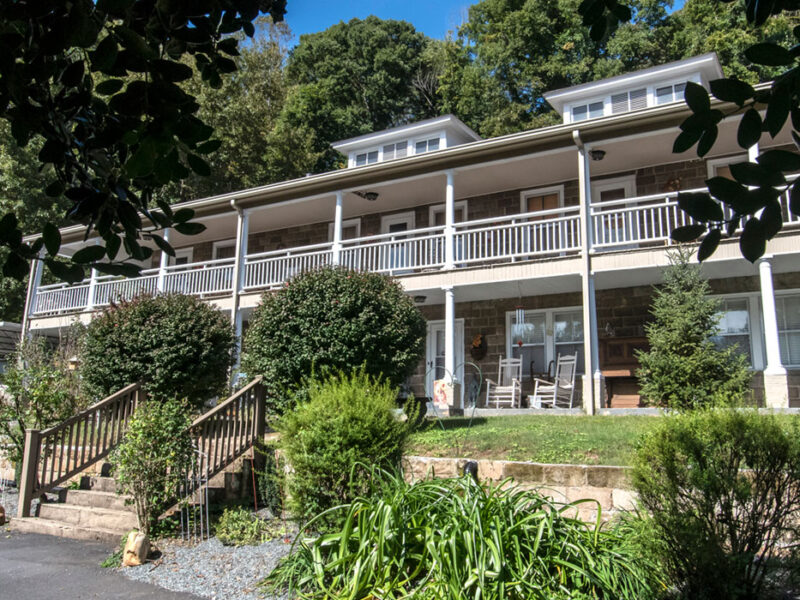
<point x="617" y="225"/>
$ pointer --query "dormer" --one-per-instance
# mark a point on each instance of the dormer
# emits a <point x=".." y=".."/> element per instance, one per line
<point x="421" y="137"/>
<point x="633" y="91"/>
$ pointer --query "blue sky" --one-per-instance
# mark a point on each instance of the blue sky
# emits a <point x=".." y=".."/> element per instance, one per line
<point x="433" y="17"/>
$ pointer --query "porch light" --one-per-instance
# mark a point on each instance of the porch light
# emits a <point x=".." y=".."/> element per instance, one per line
<point x="420" y="299"/>
<point x="369" y="196"/>
<point x="597" y="154"/>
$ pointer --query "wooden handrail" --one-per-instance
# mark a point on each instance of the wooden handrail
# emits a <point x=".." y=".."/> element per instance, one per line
<point x="92" y="408"/>
<point x="222" y="405"/>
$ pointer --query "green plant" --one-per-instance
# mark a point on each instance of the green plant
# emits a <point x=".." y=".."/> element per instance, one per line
<point x="454" y="539"/>
<point x="331" y="320"/>
<point x="240" y="527"/>
<point x="176" y="345"/>
<point x="683" y="368"/>
<point x="271" y="481"/>
<point x="153" y="458"/>
<point x="348" y="421"/>
<point x="40" y="391"/>
<point x="723" y="488"/>
<point x="114" y="559"/>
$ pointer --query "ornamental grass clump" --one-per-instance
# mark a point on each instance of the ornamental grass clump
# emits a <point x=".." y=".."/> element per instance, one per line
<point x="454" y="538"/>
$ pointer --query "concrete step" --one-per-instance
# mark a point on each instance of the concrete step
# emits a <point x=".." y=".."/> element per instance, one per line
<point x="48" y="527"/>
<point x="98" y="484"/>
<point x="84" y="516"/>
<point x="95" y="499"/>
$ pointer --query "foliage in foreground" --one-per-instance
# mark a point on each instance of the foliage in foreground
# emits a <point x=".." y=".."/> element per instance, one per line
<point x="176" y="345"/>
<point x="331" y="320"/>
<point x="723" y="487"/>
<point x="349" y="420"/>
<point x="683" y="368"/>
<point x="453" y="539"/>
<point x="40" y="391"/>
<point x="153" y="458"/>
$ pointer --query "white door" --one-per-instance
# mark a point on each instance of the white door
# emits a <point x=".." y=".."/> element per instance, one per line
<point x="618" y="224"/>
<point x="397" y="255"/>
<point x="434" y="356"/>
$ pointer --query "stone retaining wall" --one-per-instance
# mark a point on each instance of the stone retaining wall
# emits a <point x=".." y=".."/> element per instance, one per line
<point x="609" y="487"/>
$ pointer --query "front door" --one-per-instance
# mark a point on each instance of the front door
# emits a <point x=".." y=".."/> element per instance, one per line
<point x="618" y="225"/>
<point x="434" y="358"/>
<point x="397" y="254"/>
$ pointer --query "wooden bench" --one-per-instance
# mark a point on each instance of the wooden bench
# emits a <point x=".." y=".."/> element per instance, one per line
<point x="618" y="364"/>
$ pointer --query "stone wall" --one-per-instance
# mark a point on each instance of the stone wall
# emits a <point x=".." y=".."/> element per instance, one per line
<point x="609" y="487"/>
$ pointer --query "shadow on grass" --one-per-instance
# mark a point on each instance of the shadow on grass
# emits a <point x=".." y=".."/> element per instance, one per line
<point x="454" y="423"/>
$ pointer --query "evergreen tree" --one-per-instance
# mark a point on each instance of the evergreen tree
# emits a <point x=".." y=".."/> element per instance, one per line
<point x="684" y="368"/>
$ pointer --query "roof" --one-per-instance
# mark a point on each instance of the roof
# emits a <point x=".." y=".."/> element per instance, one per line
<point x="444" y="122"/>
<point x="707" y="64"/>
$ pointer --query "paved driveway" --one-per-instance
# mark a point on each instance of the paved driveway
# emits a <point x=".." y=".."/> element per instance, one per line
<point x="41" y="567"/>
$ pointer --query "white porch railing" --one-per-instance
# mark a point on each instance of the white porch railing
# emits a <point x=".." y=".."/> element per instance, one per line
<point x="615" y="225"/>
<point x="397" y="253"/>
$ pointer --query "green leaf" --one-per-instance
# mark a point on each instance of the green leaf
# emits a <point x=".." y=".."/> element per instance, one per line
<point x="700" y="206"/>
<point x="142" y="162"/>
<point x="172" y="71"/>
<point x="163" y="244"/>
<point x="52" y="239"/>
<point x="779" y="160"/>
<point x="768" y="54"/>
<point x="198" y="165"/>
<point x="8" y="228"/>
<point x="109" y="86"/>
<point x="687" y="233"/>
<point x="749" y="131"/>
<point x="731" y="90"/>
<point x="112" y="246"/>
<point x="748" y="173"/>
<point x="54" y="189"/>
<point x="772" y="219"/>
<point x="753" y="241"/>
<point x="709" y="244"/>
<point x="105" y="55"/>
<point x="182" y="215"/>
<point x="190" y="228"/>
<point x="696" y="97"/>
<point x="794" y="198"/>
<point x="725" y="189"/>
<point x="89" y="254"/>
<point x="119" y="269"/>
<point x="209" y="147"/>
<point x="135" y="43"/>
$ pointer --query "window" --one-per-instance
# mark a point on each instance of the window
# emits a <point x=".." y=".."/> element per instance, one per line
<point x="366" y="158"/>
<point x="398" y="150"/>
<point x="225" y="249"/>
<point x="351" y="229"/>
<point x="587" y="111"/>
<point x="544" y="335"/>
<point x="788" y="309"/>
<point x="670" y="93"/>
<point x="627" y="101"/>
<point x="734" y="326"/>
<point x="182" y="256"/>
<point x="427" y="146"/>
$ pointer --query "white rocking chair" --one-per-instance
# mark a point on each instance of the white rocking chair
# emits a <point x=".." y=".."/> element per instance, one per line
<point x="561" y="389"/>
<point x="508" y="388"/>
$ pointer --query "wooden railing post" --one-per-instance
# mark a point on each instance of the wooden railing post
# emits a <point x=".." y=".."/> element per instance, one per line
<point x="259" y="426"/>
<point x="30" y="462"/>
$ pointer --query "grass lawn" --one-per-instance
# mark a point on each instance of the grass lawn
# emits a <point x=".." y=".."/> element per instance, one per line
<point x="598" y="440"/>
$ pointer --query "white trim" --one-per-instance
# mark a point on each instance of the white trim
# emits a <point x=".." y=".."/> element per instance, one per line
<point x="346" y="223"/>
<point x="627" y="182"/>
<point x="187" y="253"/>
<point x="712" y="164"/>
<point x="430" y="352"/>
<point x="779" y="293"/>
<point x="229" y="243"/>
<point x="412" y="129"/>
<point x="541" y="191"/>
<point x="440" y="208"/>
<point x="408" y="217"/>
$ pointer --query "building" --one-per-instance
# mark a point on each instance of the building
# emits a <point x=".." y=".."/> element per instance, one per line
<point x="568" y="225"/>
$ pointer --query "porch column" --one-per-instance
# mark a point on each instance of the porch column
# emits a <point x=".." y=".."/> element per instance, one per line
<point x="91" y="298"/>
<point x="337" y="230"/>
<point x="449" y="334"/>
<point x="238" y="278"/>
<point x="449" y="222"/>
<point x="775" y="382"/>
<point x="162" y="265"/>
<point x="593" y="376"/>
<point x="34" y="281"/>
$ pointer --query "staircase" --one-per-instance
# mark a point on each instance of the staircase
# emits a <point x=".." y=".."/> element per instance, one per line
<point x="95" y="511"/>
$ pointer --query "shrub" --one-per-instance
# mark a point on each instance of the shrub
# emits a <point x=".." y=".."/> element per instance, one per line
<point x="348" y="422"/>
<point x="723" y="488"/>
<point x="176" y="345"/>
<point x="453" y="539"/>
<point x="683" y="368"/>
<point x="332" y="320"/>
<point x="40" y="391"/>
<point x="153" y="458"/>
<point x="240" y="527"/>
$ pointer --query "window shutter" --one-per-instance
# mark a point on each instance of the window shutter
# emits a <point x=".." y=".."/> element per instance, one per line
<point x="638" y="99"/>
<point x="619" y="103"/>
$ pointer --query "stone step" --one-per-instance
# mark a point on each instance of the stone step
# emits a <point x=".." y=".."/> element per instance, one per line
<point x="98" y="484"/>
<point x="48" y="527"/>
<point x="95" y="499"/>
<point x="85" y="516"/>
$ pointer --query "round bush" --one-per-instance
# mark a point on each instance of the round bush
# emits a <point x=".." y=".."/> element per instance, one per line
<point x="331" y="320"/>
<point x="176" y="345"/>
<point x="333" y="441"/>
<point x="723" y="488"/>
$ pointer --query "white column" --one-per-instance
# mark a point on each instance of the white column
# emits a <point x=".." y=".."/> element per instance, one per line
<point x="776" y="391"/>
<point x="34" y="281"/>
<point x="238" y="279"/>
<point x="91" y="298"/>
<point x="449" y="334"/>
<point x="752" y="153"/>
<point x="593" y="377"/>
<point x="163" y="264"/>
<point x="449" y="222"/>
<point x="337" y="230"/>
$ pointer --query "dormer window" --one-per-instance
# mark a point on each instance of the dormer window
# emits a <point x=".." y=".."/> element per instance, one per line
<point x="398" y="150"/>
<point x="587" y="111"/>
<point x="427" y="146"/>
<point x="628" y="101"/>
<point x="366" y="158"/>
<point x="670" y="93"/>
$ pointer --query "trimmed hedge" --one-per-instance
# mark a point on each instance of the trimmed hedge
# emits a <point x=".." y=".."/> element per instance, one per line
<point x="176" y="345"/>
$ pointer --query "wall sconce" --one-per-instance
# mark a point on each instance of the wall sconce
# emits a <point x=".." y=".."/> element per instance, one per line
<point x="369" y="196"/>
<point x="597" y="154"/>
<point x="420" y="299"/>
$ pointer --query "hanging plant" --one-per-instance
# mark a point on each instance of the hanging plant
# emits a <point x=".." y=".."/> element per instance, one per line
<point x="479" y="347"/>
